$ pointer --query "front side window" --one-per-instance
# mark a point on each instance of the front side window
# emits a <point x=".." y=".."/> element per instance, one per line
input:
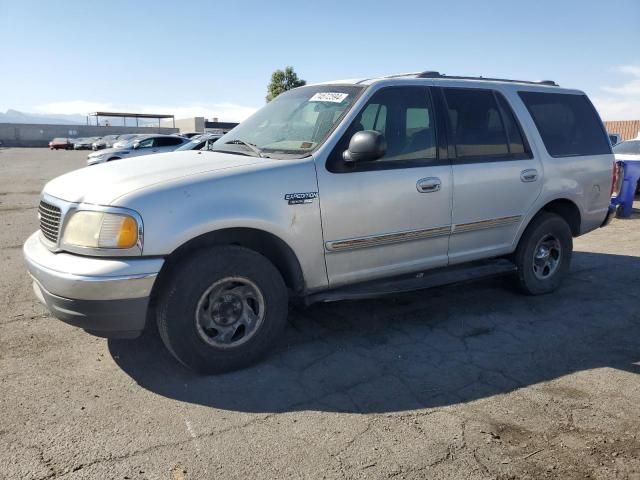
<point x="293" y="125"/>
<point x="404" y="115"/>
<point x="476" y="124"/>
<point x="147" y="143"/>
<point x="568" y="124"/>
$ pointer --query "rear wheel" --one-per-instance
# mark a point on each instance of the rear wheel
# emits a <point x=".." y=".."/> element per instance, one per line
<point x="543" y="256"/>
<point x="222" y="309"/>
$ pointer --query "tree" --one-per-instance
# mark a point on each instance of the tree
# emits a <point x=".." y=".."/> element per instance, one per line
<point x="281" y="81"/>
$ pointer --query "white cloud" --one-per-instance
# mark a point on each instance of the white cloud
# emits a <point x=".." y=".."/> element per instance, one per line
<point x="229" y="112"/>
<point x="621" y="102"/>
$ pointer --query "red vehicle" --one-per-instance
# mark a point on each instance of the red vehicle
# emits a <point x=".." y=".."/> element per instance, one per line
<point x="60" y="143"/>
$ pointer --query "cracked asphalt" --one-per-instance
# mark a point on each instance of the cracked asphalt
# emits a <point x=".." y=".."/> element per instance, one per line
<point x="467" y="381"/>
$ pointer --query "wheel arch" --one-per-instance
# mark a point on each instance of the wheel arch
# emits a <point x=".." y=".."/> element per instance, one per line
<point x="563" y="207"/>
<point x="568" y="210"/>
<point x="276" y="250"/>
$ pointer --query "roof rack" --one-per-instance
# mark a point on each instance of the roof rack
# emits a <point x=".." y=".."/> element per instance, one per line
<point x="433" y="74"/>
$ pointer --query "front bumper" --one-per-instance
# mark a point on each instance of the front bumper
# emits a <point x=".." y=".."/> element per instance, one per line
<point x="108" y="297"/>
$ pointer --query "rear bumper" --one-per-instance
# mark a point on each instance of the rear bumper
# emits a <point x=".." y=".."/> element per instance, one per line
<point x="107" y="297"/>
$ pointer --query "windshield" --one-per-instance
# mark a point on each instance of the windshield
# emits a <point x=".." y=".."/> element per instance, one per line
<point x="292" y="125"/>
<point x="630" y="147"/>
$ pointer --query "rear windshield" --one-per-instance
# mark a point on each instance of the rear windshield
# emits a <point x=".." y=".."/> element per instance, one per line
<point x="568" y="124"/>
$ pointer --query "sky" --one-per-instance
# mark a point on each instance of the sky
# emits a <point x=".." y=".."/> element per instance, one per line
<point x="215" y="59"/>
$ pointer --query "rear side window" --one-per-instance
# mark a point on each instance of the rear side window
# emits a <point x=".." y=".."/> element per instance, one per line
<point x="568" y="124"/>
<point x="476" y="123"/>
<point x="514" y="135"/>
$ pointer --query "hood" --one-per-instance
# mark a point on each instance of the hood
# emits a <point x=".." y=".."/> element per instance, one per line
<point x="102" y="184"/>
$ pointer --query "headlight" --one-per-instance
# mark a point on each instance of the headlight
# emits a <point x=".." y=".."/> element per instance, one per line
<point x="89" y="229"/>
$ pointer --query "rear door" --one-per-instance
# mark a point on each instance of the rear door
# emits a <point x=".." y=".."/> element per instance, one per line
<point x="496" y="178"/>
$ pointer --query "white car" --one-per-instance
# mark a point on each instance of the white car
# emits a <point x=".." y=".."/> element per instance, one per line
<point x="146" y="145"/>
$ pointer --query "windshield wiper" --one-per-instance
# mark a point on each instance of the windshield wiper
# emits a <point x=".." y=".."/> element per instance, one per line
<point x="251" y="146"/>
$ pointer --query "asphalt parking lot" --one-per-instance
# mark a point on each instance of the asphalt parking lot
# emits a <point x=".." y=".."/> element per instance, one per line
<point x="466" y="381"/>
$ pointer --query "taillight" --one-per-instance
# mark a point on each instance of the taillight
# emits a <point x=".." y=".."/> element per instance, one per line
<point x="618" y="177"/>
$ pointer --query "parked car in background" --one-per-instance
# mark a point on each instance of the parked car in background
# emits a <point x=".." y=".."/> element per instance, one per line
<point x="329" y="192"/>
<point x="125" y="139"/>
<point x="83" y="143"/>
<point x="143" y="145"/>
<point x="104" y="142"/>
<point x="615" y="138"/>
<point x="203" y="141"/>
<point x="627" y="173"/>
<point x="60" y="143"/>
<point x="189" y="134"/>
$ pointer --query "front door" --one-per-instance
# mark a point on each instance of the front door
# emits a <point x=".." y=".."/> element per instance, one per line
<point x="392" y="215"/>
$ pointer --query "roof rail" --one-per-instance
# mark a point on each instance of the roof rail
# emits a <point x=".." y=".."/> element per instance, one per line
<point x="433" y="74"/>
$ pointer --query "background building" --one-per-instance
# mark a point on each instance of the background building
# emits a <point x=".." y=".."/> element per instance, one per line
<point x="39" y="135"/>
<point x="201" y="125"/>
<point x="628" y="129"/>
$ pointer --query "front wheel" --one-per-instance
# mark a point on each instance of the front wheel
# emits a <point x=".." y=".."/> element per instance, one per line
<point x="543" y="256"/>
<point x="222" y="309"/>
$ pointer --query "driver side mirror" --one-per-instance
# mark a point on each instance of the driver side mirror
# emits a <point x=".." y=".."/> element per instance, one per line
<point x="365" y="146"/>
<point x="136" y="145"/>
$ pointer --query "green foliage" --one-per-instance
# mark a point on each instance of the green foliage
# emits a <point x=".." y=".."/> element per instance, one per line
<point x="281" y="81"/>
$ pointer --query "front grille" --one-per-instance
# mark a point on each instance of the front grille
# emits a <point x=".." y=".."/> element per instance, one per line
<point x="49" y="221"/>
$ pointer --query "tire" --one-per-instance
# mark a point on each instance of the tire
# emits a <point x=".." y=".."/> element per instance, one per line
<point x="114" y="158"/>
<point x="185" y="304"/>
<point x="543" y="256"/>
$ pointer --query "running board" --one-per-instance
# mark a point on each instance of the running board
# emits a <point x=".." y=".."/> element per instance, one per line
<point x="417" y="281"/>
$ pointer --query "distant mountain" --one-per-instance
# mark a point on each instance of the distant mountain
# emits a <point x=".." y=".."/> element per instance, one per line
<point x="14" y="116"/>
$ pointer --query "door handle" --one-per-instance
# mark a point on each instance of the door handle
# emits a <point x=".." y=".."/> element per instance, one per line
<point x="529" y="175"/>
<point x="428" y="185"/>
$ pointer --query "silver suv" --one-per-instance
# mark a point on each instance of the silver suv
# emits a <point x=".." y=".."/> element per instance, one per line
<point x="334" y="191"/>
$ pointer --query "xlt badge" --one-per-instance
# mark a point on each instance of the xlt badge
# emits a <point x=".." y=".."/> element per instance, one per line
<point x="298" y="198"/>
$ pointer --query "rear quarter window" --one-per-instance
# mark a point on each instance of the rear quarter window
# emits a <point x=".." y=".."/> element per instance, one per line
<point x="568" y="124"/>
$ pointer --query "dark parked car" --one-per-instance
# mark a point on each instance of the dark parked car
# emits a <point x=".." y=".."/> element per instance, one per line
<point x="83" y="143"/>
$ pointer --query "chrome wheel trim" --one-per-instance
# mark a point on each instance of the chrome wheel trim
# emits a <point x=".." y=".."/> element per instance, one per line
<point x="547" y="257"/>
<point x="229" y="312"/>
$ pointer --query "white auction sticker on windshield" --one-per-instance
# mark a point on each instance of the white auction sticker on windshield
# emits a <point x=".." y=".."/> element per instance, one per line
<point x="329" y="97"/>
